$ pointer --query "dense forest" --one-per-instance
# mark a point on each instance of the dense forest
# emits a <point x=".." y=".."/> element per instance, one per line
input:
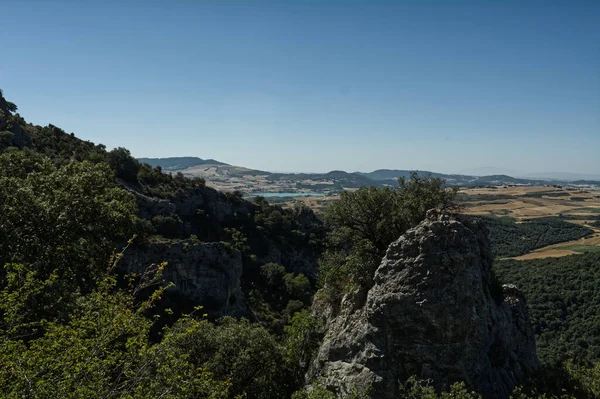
<point x="510" y="238"/>
<point x="74" y="325"/>
<point x="564" y="301"/>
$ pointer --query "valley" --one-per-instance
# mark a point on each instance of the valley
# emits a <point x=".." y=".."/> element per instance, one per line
<point x="523" y="206"/>
<point x="228" y="178"/>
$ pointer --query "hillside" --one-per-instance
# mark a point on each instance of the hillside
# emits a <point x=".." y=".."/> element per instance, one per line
<point x="168" y="208"/>
<point x="178" y="163"/>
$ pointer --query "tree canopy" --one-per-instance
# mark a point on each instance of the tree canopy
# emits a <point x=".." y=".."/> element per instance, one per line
<point x="363" y="223"/>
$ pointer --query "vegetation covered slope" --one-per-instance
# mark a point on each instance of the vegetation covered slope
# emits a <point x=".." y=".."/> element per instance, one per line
<point x="564" y="300"/>
<point x="178" y="163"/>
<point x="256" y="228"/>
<point x="71" y="327"/>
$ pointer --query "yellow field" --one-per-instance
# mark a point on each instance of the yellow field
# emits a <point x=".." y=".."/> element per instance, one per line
<point x="524" y="203"/>
<point x="579" y="206"/>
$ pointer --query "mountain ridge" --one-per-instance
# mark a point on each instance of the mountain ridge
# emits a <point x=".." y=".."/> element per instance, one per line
<point x="229" y="177"/>
<point x="179" y="163"/>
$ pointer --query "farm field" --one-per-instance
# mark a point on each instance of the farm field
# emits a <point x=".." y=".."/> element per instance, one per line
<point x="520" y="205"/>
<point x="577" y="206"/>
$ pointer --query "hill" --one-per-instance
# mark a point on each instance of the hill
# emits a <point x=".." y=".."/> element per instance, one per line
<point x="391" y="175"/>
<point x="178" y="163"/>
<point x="251" y="181"/>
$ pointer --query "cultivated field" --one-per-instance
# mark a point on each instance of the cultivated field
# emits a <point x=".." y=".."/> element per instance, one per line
<point x="523" y="203"/>
<point x="574" y="205"/>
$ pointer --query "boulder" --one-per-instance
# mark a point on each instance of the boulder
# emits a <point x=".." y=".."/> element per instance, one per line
<point x="436" y="312"/>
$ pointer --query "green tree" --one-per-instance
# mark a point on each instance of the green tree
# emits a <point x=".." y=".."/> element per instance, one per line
<point x="125" y="166"/>
<point x="301" y="337"/>
<point x="5" y="140"/>
<point x="102" y="350"/>
<point x="62" y="221"/>
<point x="364" y="222"/>
<point x="245" y="354"/>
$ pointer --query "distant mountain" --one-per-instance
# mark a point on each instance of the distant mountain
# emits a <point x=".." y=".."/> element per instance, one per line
<point x="490" y="170"/>
<point x="176" y="164"/>
<point x="563" y="176"/>
<point x="394" y="174"/>
<point x="389" y="176"/>
<point x="229" y="177"/>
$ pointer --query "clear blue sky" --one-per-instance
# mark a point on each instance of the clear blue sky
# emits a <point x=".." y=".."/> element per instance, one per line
<point x="449" y="86"/>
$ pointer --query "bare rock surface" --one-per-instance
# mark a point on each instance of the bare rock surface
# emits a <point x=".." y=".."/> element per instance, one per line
<point x="207" y="274"/>
<point x="434" y="312"/>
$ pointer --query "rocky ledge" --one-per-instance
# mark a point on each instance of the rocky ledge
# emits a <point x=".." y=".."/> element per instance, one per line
<point x="435" y="312"/>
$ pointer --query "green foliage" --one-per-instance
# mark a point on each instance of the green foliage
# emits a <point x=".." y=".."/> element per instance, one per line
<point x="101" y="350"/>
<point x="301" y="338"/>
<point x="5" y="140"/>
<point x="235" y="196"/>
<point x="125" y="166"/>
<point x="284" y="294"/>
<point x="364" y="222"/>
<point x="509" y="238"/>
<point x="294" y="237"/>
<point x="297" y="286"/>
<point x="564" y="303"/>
<point x="6" y="106"/>
<point x="242" y="353"/>
<point x="317" y="391"/>
<point x="417" y="389"/>
<point x="167" y="226"/>
<point x="239" y="239"/>
<point x="567" y="380"/>
<point x="61" y="221"/>
<point x="273" y="274"/>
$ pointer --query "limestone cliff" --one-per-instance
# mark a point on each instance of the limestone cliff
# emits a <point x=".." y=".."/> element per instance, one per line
<point x="435" y="312"/>
<point x="206" y="274"/>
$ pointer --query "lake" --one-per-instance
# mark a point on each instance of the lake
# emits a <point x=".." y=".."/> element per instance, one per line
<point x="251" y="195"/>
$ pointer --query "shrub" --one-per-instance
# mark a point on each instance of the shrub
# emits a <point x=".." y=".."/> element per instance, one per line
<point x="167" y="226"/>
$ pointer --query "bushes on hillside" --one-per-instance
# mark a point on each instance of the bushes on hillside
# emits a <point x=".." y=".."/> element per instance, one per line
<point x="125" y="166"/>
<point x="61" y="224"/>
<point x="167" y="226"/>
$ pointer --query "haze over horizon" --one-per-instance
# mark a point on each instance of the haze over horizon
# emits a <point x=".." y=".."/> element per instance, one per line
<point x="317" y="86"/>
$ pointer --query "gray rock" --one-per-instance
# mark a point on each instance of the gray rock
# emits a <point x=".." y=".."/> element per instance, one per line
<point x="434" y="312"/>
<point x="151" y="206"/>
<point x="207" y="274"/>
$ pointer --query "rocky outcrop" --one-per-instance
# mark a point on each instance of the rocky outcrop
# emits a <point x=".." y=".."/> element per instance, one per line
<point x="206" y="274"/>
<point x="207" y="213"/>
<point x="149" y="207"/>
<point x="434" y="312"/>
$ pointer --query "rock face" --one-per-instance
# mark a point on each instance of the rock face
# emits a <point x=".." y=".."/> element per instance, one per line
<point x="206" y="274"/>
<point x="206" y="213"/>
<point x="435" y="312"/>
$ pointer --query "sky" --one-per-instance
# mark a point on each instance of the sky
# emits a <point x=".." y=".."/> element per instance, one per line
<point x="450" y="86"/>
